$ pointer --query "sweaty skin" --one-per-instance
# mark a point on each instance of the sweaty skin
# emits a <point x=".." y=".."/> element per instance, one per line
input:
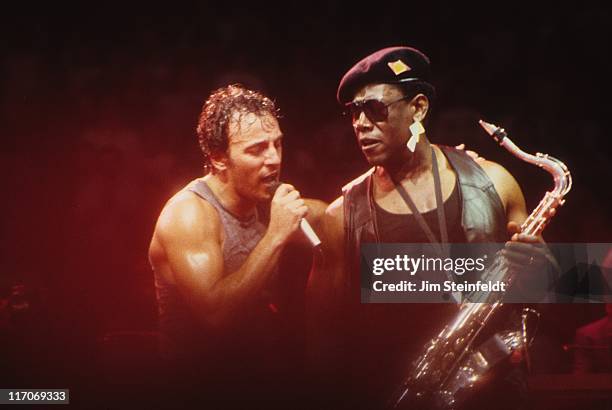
<point x="186" y="248"/>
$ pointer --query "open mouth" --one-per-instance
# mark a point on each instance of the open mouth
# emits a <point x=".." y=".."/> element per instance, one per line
<point x="270" y="179"/>
<point x="369" y="143"/>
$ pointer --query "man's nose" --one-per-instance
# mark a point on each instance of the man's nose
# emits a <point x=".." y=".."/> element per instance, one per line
<point x="273" y="156"/>
<point x="362" y="122"/>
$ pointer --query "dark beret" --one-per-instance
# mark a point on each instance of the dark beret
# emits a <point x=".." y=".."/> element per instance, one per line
<point x="390" y="65"/>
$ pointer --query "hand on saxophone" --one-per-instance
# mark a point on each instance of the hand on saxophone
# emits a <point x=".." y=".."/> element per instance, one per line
<point x="528" y="252"/>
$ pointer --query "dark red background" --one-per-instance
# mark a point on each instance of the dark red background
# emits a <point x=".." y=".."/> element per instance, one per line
<point x="98" y="106"/>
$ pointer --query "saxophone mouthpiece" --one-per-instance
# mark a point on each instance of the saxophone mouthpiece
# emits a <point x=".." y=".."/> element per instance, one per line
<point x="493" y="130"/>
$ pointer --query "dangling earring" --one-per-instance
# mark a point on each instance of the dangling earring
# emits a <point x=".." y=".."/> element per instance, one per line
<point x="416" y="129"/>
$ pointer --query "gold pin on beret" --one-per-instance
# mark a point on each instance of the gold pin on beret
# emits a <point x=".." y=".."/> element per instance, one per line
<point x="398" y="67"/>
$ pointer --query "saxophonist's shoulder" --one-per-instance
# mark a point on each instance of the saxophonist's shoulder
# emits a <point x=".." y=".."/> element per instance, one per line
<point x="496" y="172"/>
<point x="506" y="186"/>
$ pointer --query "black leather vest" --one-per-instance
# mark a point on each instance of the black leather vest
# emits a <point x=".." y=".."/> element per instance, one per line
<point x="482" y="217"/>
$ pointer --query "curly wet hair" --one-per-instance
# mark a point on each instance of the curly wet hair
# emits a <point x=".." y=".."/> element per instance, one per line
<point x="217" y="112"/>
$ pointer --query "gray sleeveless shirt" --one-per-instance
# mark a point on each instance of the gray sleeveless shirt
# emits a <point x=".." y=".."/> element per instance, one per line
<point x="241" y="235"/>
<point x="180" y="332"/>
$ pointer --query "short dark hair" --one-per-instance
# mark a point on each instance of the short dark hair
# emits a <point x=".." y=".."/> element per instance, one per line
<point x="214" y="121"/>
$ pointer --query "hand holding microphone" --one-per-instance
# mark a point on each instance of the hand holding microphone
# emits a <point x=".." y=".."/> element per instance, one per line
<point x="287" y="212"/>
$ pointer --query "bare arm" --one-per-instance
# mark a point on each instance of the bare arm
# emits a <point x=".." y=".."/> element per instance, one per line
<point x="189" y="231"/>
<point x="315" y="215"/>
<point x="326" y="278"/>
<point x="325" y="293"/>
<point x="509" y="191"/>
<point x="522" y="250"/>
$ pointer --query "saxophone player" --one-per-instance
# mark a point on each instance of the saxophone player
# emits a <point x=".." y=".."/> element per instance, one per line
<point x="416" y="192"/>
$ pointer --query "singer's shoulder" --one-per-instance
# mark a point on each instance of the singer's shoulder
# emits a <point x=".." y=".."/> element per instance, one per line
<point x="183" y="212"/>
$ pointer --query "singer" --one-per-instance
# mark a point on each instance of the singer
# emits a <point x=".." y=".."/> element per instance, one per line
<point x="215" y="254"/>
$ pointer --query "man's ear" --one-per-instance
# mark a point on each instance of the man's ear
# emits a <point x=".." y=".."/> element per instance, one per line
<point x="219" y="162"/>
<point x="421" y="106"/>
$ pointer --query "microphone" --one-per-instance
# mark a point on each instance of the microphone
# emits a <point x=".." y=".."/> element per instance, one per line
<point x="310" y="234"/>
<point x="304" y="225"/>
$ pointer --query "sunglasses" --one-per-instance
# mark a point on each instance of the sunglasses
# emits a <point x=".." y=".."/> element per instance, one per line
<point x="375" y="110"/>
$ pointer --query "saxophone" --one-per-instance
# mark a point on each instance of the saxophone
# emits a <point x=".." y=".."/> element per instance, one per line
<point x="451" y="367"/>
